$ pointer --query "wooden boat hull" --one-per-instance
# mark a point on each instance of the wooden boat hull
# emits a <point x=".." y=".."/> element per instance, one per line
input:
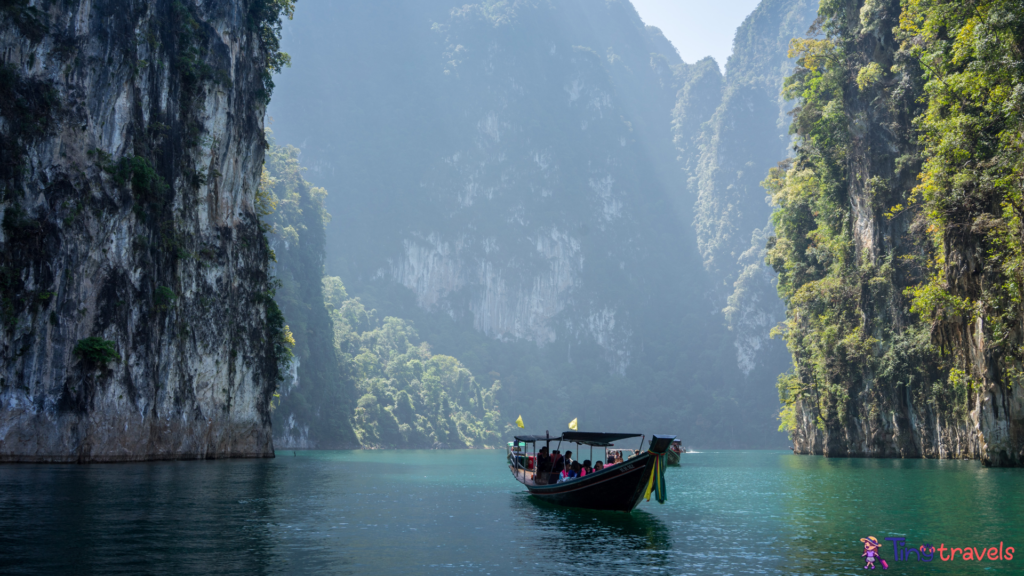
<point x="671" y="458"/>
<point x="620" y="487"/>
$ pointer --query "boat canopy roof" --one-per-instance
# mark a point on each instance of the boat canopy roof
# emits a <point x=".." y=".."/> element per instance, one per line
<point x="534" y="438"/>
<point x="588" y="438"/>
<point x="595" y="438"/>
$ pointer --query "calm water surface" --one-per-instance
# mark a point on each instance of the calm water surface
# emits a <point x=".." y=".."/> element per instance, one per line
<point x="460" y="512"/>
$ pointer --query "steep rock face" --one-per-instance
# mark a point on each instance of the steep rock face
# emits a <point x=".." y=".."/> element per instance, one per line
<point x="972" y="190"/>
<point x="549" y="176"/>
<point x="134" y="273"/>
<point x="726" y="146"/>
<point x="528" y="181"/>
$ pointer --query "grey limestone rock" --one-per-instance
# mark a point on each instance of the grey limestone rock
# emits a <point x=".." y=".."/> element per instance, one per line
<point x="131" y="141"/>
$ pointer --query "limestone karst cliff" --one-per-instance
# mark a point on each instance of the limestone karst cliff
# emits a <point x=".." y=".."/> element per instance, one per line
<point x="898" y="233"/>
<point x="137" y="312"/>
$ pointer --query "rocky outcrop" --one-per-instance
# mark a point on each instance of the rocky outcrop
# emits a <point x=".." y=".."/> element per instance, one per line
<point x="137" y="320"/>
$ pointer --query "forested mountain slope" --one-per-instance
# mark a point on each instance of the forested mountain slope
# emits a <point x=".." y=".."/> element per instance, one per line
<point x="512" y="177"/>
<point x="898" y="232"/>
<point x="355" y="381"/>
<point x="135" y="317"/>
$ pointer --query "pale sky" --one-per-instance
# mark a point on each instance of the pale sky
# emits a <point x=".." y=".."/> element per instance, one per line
<point x="697" y="28"/>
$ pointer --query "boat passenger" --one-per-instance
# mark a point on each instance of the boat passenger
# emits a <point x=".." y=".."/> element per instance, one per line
<point x="611" y="458"/>
<point x="557" y="466"/>
<point x="543" y="459"/>
<point x="598" y="466"/>
<point x="574" y="471"/>
<point x="543" y="466"/>
<point x="587" y="469"/>
<point x="568" y="458"/>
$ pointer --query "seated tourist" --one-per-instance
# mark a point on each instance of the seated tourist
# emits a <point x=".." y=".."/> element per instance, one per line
<point x="577" y="470"/>
<point x="571" y="472"/>
<point x="587" y="469"/>
<point x="543" y="460"/>
<point x="568" y="458"/>
<point x="599" y="466"/>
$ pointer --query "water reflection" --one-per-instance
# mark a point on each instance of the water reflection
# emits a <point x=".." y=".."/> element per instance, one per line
<point x="578" y="538"/>
<point x="174" y="517"/>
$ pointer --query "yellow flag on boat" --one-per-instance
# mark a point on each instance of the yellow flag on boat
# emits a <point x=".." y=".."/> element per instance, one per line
<point x="572" y="425"/>
<point x="519" y="422"/>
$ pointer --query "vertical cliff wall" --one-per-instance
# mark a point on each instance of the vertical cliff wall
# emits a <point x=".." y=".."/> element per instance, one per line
<point x="864" y="383"/>
<point x="898" y="234"/>
<point x="137" y="320"/>
<point x="972" y="185"/>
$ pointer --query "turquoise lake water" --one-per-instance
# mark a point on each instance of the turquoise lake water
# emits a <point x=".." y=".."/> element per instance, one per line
<point x="461" y="512"/>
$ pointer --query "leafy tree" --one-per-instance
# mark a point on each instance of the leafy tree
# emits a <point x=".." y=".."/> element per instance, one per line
<point x="972" y="181"/>
<point x="96" y="351"/>
<point x="409" y="396"/>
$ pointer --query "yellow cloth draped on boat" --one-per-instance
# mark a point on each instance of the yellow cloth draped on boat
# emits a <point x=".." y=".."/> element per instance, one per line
<point x="657" y="480"/>
<point x="572" y="425"/>
<point x="519" y="422"/>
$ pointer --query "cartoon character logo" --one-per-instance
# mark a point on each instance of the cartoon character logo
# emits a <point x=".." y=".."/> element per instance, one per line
<point x="871" y="547"/>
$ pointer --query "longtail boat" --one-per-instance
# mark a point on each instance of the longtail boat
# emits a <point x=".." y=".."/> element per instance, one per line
<point x="617" y="487"/>
<point x="674" y="452"/>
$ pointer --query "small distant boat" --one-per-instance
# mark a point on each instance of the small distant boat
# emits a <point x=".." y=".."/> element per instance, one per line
<point x="620" y="486"/>
<point x="674" y="451"/>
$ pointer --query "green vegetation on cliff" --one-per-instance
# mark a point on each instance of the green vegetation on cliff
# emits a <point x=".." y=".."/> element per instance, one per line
<point x="294" y="214"/>
<point x="897" y="231"/>
<point x="972" y="182"/>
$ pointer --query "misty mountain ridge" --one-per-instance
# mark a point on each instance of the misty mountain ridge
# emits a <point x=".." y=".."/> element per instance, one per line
<point x="554" y="198"/>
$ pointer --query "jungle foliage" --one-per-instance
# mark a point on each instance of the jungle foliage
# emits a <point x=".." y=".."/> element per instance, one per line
<point x="96" y="351"/>
<point x="972" y="181"/>
<point x="408" y="397"/>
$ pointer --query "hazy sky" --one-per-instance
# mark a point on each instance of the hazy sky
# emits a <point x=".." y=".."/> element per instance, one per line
<point x="697" y="28"/>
